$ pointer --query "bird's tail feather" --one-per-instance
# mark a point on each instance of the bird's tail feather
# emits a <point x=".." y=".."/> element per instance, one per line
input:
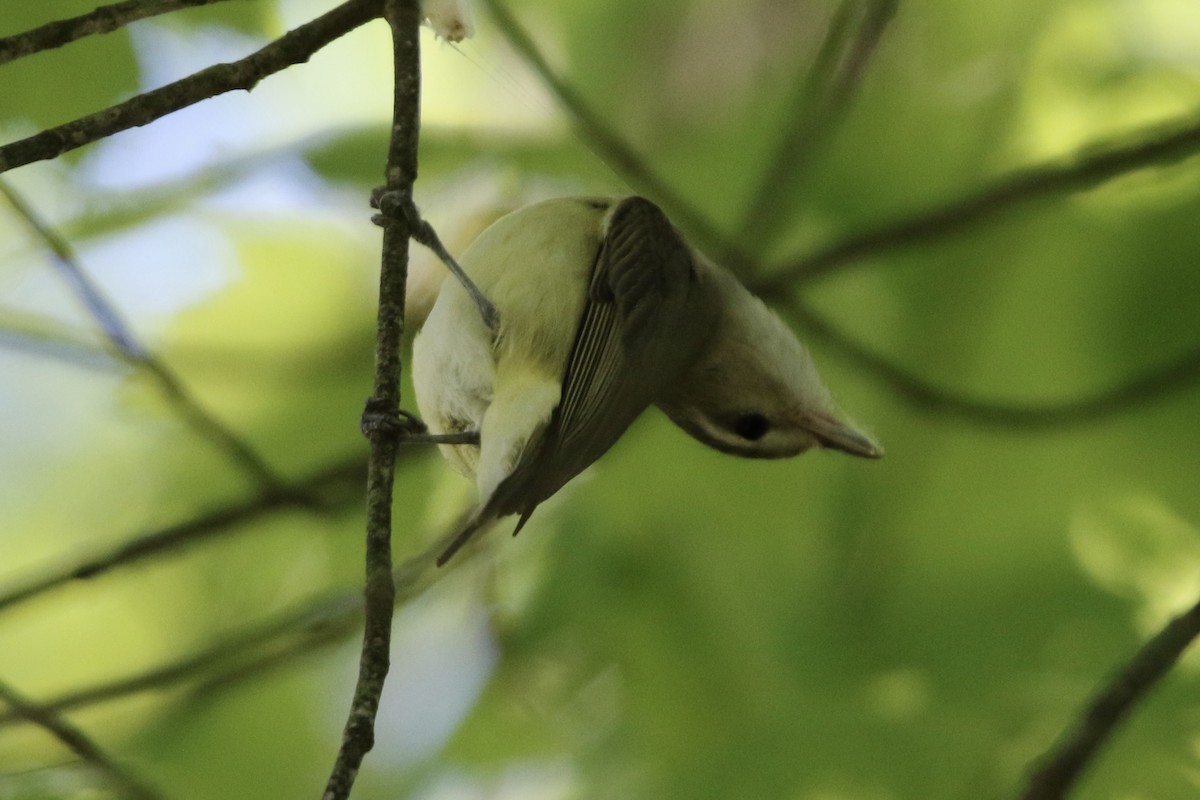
<point x="478" y="522"/>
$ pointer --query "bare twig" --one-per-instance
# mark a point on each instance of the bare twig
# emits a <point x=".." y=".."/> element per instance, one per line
<point x="79" y="743"/>
<point x="294" y="47"/>
<point x="272" y="642"/>
<point x="821" y="100"/>
<point x="1062" y="766"/>
<point x="410" y="579"/>
<point x="1085" y="169"/>
<point x="42" y="341"/>
<point x="358" y="737"/>
<point x="104" y="19"/>
<point x="609" y="144"/>
<point x="332" y="485"/>
<point x="121" y="336"/>
<point x="311" y="622"/>
<point x="118" y="332"/>
<point x="1174" y="376"/>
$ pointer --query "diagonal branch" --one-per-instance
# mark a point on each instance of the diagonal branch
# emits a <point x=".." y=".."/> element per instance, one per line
<point x="1087" y="168"/>
<point x="294" y="47"/>
<point x="26" y="333"/>
<point x="823" y="97"/>
<point x="332" y="486"/>
<point x="608" y="143"/>
<point x="1137" y="390"/>
<point x="358" y="737"/>
<point x="316" y="622"/>
<point x="121" y="336"/>
<point x="129" y="785"/>
<point x="1061" y="767"/>
<point x="104" y="19"/>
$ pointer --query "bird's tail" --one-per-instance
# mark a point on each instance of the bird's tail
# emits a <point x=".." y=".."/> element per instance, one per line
<point x="478" y="522"/>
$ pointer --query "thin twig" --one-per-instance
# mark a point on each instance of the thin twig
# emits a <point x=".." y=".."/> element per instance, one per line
<point x="1060" y="768"/>
<point x="609" y="144"/>
<point x="1153" y="384"/>
<point x="294" y="47"/>
<point x="836" y="72"/>
<point x="410" y="580"/>
<point x="335" y="611"/>
<point x="358" y="737"/>
<point x="307" y="626"/>
<point x="114" y="327"/>
<point x="44" y="343"/>
<point x="1087" y="168"/>
<point x="121" y="336"/>
<point x="79" y="743"/>
<point x="104" y="19"/>
<point x="332" y="485"/>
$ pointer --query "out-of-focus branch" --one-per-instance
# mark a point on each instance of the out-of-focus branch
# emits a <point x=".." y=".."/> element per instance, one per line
<point x="1182" y="373"/>
<point x="121" y="336"/>
<point x="79" y="743"/>
<point x="294" y="47"/>
<point x="379" y="592"/>
<point x="26" y="333"/>
<point x="610" y="145"/>
<point x="272" y="642"/>
<point x="104" y="19"/>
<point x="331" y="487"/>
<point x="823" y="97"/>
<point x="1059" y="769"/>
<point x="1085" y="169"/>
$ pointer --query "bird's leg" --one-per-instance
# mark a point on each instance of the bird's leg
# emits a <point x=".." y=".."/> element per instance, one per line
<point x="400" y="205"/>
<point x="462" y="437"/>
<point x="407" y="427"/>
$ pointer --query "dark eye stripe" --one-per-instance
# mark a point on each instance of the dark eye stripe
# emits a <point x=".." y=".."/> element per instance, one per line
<point x="751" y="426"/>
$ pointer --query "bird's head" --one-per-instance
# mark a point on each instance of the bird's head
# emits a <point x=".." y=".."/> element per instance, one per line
<point x="755" y="392"/>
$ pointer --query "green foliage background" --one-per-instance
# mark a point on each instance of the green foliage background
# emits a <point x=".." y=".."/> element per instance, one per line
<point x="677" y="623"/>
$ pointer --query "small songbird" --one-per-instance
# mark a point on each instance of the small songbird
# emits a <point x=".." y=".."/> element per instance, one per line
<point x="604" y="311"/>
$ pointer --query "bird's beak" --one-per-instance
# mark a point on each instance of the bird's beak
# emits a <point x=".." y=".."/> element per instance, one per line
<point x="840" y="436"/>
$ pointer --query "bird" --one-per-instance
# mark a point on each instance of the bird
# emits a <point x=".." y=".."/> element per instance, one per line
<point x="605" y="310"/>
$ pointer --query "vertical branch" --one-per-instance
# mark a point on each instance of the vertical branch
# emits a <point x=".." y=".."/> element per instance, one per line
<point x="404" y="18"/>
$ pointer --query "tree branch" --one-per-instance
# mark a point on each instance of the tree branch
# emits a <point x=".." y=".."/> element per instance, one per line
<point x="1087" y="168"/>
<point x="310" y="625"/>
<point x="609" y="144"/>
<point x="104" y="19"/>
<point x="358" y="737"/>
<point x="78" y="742"/>
<point x="1061" y="767"/>
<point x="40" y="340"/>
<point x="1153" y="384"/>
<point x="825" y="94"/>
<point x="332" y="487"/>
<point x="121" y="336"/>
<point x="294" y="47"/>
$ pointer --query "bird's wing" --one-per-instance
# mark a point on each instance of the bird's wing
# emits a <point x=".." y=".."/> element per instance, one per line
<point x="645" y="320"/>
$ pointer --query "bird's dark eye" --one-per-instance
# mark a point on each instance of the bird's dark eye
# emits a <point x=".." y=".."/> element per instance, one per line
<point x="752" y="426"/>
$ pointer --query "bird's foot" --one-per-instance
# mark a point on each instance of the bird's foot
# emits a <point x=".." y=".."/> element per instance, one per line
<point x="399" y="205"/>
